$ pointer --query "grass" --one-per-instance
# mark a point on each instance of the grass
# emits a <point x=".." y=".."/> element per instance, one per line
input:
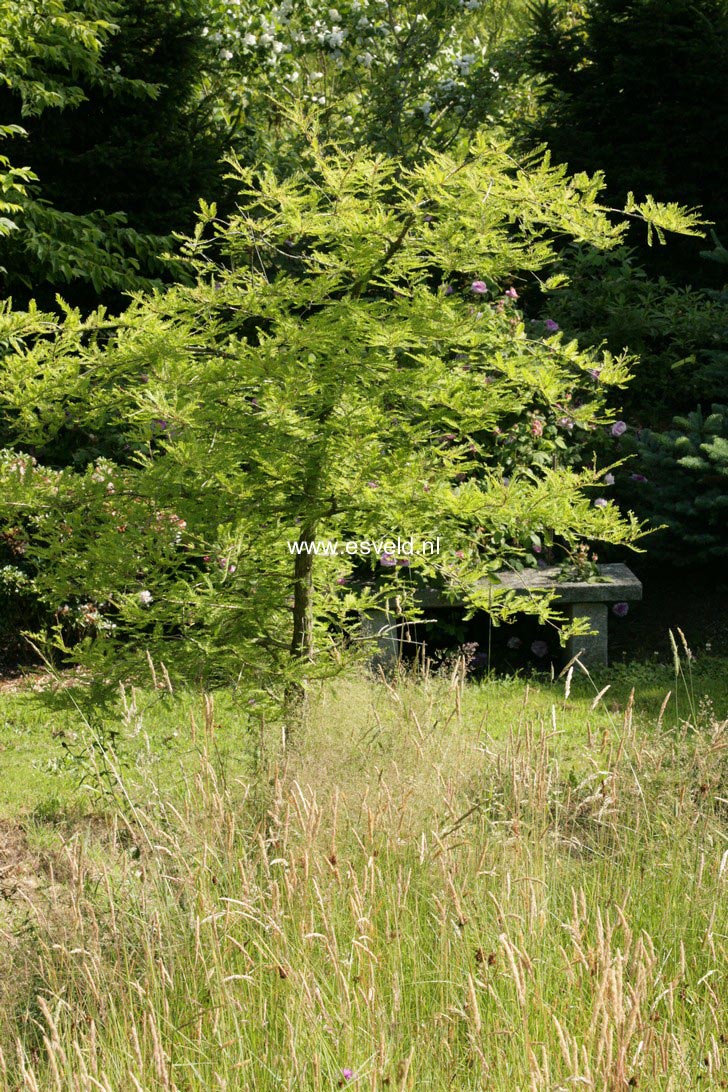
<point x="39" y="735"/>
<point x="440" y="886"/>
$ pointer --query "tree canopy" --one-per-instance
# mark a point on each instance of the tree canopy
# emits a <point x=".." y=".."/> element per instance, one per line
<point x="350" y="363"/>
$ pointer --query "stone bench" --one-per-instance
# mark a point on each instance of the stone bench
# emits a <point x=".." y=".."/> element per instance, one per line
<point x="576" y="598"/>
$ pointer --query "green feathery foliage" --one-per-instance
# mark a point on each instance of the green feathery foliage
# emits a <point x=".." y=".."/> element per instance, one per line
<point x="346" y="366"/>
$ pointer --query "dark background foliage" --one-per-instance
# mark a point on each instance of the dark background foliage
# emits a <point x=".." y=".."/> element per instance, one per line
<point x="639" y="90"/>
<point x="143" y="142"/>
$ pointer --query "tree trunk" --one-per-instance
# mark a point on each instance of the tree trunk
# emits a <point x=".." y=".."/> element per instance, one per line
<point x="302" y="639"/>
<point x="301" y="648"/>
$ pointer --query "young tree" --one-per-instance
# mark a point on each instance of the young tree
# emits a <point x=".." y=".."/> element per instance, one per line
<point x="349" y="365"/>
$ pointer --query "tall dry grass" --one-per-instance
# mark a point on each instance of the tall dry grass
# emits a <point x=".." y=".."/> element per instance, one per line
<point x="404" y="902"/>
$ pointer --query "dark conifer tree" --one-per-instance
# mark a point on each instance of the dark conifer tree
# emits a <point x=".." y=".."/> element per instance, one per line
<point x="639" y="89"/>
<point x="143" y="143"/>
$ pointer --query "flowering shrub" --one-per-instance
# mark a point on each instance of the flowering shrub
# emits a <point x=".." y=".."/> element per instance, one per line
<point x="392" y="74"/>
<point x="679" y="334"/>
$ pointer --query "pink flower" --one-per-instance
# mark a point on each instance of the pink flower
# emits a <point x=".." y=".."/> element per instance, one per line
<point x="620" y="609"/>
<point x="480" y="288"/>
<point x="448" y="289"/>
<point x="601" y="502"/>
<point x="388" y="561"/>
<point x="511" y="293"/>
<point x="347" y="1074"/>
<point x="551" y="326"/>
<point x="536" y="427"/>
<point x="618" y="428"/>
<point x="609" y="479"/>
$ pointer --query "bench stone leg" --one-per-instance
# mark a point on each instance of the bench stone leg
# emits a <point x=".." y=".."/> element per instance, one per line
<point x="381" y="628"/>
<point x="593" y="646"/>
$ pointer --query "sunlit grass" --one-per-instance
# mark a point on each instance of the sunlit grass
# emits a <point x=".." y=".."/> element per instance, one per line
<point x="438" y="887"/>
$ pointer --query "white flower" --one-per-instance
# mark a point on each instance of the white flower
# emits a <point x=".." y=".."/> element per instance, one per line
<point x="226" y="54"/>
<point x="249" y="40"/>
<point x="336" y="37"/>
<point x="365" y="59"/>
<point x="145" y="598"/>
